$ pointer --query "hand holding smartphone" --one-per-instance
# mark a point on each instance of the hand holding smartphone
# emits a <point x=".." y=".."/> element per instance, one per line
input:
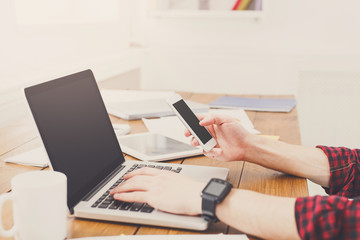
<point x="191" y="122"/>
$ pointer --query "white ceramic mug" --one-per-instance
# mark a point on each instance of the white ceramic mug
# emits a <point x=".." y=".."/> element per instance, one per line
<point x="39" y="206"/>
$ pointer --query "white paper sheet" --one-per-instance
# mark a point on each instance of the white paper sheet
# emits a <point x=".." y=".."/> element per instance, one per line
<point x="121" y="129"/>
<point x="239" y="114"/>
<point x="36" y="157"/>
<point x="168" y="126"/>
<point x="173" y="237"/>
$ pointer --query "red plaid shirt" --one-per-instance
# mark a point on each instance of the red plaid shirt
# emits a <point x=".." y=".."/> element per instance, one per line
<point x="336" y="216"/>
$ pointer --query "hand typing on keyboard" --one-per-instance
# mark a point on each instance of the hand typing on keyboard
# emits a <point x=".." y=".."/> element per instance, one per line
<point x="164" y="190"/>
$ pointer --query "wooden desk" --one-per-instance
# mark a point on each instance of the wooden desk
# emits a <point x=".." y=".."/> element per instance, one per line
<point x="21" y="137"/>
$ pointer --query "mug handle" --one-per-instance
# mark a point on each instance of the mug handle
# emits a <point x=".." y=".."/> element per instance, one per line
<point x="11" y="232"/>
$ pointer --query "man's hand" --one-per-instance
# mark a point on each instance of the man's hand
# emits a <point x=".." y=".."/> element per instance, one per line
<point x="161" y="189"/>
<point x="230" y="136"/>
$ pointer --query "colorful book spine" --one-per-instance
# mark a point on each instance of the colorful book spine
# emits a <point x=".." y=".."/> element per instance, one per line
<point x="241" y="4"/>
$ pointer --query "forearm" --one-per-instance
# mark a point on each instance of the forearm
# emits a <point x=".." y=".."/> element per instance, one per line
<point x="258" y="214"/>
<point x="301" y="161"/>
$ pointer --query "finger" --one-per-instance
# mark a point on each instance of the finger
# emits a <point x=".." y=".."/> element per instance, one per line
<point x="187" y="133"/>
<point x="194" y="142"/>
<point x="137" y="183"/>
<point x="212" y="119"/>
<point x="132" y="197"/>
<point x="201" y="116"/>
<point x="143" y="171"/>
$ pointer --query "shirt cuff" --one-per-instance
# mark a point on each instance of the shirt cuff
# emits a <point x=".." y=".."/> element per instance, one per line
<point x="342" y="164"/>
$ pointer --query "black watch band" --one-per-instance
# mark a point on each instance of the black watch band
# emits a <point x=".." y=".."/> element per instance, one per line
<point x="214" y="192"/>
<point x="208" y="208"/>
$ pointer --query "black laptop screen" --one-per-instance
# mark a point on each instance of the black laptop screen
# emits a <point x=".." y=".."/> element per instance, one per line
<point x="76" y="131"/>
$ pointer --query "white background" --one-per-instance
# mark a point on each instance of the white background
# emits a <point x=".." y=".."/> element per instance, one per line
<point x="293" y="48"/>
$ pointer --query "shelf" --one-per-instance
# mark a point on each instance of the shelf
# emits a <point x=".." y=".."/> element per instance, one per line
<point x="211" y="14"/>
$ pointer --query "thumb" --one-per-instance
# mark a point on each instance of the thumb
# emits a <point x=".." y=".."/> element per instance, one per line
<point x="212" y="119"/>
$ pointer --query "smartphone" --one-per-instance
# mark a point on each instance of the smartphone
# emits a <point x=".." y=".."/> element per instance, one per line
<point x="191" y="122"/>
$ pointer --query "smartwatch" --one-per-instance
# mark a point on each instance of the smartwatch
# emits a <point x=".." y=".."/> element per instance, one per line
<point x="214" y="192"/>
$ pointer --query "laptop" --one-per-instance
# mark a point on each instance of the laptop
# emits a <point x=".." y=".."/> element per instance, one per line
<point x="148" y="109"/>
<point x="81" y="143"/>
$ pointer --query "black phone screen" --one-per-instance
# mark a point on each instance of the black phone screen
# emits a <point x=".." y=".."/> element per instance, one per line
<point x="190" y="118"/>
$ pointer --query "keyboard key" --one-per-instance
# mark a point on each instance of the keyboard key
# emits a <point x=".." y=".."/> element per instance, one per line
<point x="104" y="205"/>
<point x="107" y="202"/>
<point x="151" y="166"/>
<point x="119" y="181"/>
<point x="115" y="205"/>
<point x="147" y="209"/>
<point x="126" y="206"/>
<point x="136" y="207"/>
<point x="167" y="168"/>
<point x="159" y="167"/>
<point x="94" y="205"/>
<point x="109" y="198"/>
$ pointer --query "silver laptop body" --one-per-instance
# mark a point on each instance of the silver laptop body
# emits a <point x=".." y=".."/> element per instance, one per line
<point x="80" y="142"/>
<point x="84" y="209"/>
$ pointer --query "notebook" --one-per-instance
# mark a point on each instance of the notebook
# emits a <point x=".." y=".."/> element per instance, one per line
<point x="255" y="104"/>
<point x="81" y="143"/>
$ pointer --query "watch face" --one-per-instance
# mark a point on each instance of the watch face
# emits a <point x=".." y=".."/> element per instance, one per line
<point x="214" y="188"/>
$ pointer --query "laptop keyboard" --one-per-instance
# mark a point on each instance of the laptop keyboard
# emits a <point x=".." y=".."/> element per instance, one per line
<point x="107" y="201"/>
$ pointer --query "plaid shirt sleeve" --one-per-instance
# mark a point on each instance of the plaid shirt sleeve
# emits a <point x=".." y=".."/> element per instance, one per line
<point x="333" y="217"/>
<point x="344" y="171"/>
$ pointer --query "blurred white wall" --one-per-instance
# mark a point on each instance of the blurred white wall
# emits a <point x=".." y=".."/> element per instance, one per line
<point x="33" y="44"/>
<point x="245" y="55"/>
<point x="45" y="39"/>
<point x="199" y="54"/>
<point x="329" y="107"/>
<point x="270" y="55"/>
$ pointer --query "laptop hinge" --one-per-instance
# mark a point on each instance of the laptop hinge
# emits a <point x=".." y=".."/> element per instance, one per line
<point x="103" y="183"/>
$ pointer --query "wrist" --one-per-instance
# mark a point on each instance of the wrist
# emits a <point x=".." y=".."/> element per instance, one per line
<point x="252" y="147"/>
<point x="213" y="194"/>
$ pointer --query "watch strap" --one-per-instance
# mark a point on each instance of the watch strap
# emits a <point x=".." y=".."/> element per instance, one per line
<point x="208" y="208"/>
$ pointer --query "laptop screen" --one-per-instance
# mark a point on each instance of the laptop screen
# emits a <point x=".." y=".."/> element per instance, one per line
<point x="76" y="131"/>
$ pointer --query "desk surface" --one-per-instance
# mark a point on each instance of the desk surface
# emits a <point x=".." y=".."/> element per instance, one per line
<point x="22" y="136"/>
